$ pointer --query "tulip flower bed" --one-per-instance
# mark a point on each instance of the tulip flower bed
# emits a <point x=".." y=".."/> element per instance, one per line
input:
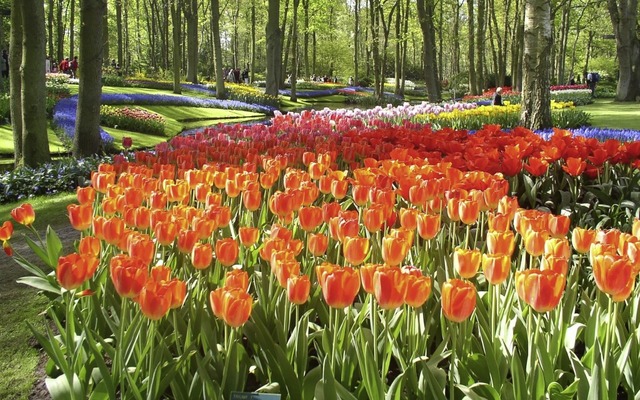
<point x="132" y="119"/>
<point x="330" y="256"/>
<point x="578" y="94"/>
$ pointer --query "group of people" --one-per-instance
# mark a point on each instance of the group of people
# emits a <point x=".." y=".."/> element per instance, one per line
<point x="66" y="66"/>
<point x="234" y="75"/>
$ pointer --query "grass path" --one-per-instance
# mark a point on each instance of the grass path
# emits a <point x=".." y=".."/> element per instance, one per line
<point x="605" y="113"/>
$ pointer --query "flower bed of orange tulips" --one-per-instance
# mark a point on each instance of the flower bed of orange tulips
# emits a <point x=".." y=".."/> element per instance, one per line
<point x="325" y="257"/>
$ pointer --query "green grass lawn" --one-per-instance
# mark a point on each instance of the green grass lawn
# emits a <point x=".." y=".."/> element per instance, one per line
<point x="606" y="113"/>
<point x="6" y="142"/>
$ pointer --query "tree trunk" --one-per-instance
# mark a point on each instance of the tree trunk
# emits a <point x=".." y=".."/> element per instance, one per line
<point x="374" y="28"/>
<point x="59" y="32"/>
<point x="356" y="44"/>
<point x="253" y="40"/>
<point x="15" y="81"/>
<point x="190" y="9"/>
<point x="105" y="33"/>
<point x="624" y="17"/>
<point x="87" y="136"/>
<point x="480" y="38"/>
<point x="274" y="49"/>
<point x="536" y="96"/>
<point x="294" y="51"/>
<point x="473" y="84"/>
<point x="35" y="142"/>
<point x="425" y="18"/>
<point x="72" y="28"/>
<point x="455" y="39"/>
<point x="177" y="56"/>
<point x="396" y="89"/>
<point x="50" y="41"/>
<point x="119" y="31"/>
<point x="217" y="48"/>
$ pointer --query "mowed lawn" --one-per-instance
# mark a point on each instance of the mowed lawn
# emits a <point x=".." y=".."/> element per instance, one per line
<point x="606" y="113"/>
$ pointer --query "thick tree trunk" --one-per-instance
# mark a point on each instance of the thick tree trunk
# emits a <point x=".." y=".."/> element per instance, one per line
<point x="356" y="41"/>
<point x="50" y="18"/>
<point x="87" y="136"/>
<point x="190" y="9"/>
<point x="398" y="55"/>
<point x="72" y="30"/>
<point x="105" y="33"/>
<point x="253" y="40"/>
<point x="217" y="48"/>
<point x="425" y="18"/>
<point x="59" y="31"/>
<point x="294" y="51"/>
<point x="374" y="28"/>
<point x="274" y="49"/>
<point x="15" y="81"/>
<point x="119" y="31"/>
<point x="624" y="17"/>
<point x="536" y="96"/>
<point x="35" y="142"/>
<point x="177" y="54"/>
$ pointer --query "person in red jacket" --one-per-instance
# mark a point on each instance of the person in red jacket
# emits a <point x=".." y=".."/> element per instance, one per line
<point x="73" y="66"/>
<point x="64" y="66"/>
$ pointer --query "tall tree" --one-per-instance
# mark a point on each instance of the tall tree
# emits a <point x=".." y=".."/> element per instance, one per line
<point x="190" y="10"/>
<point x="15" y="81"/>
<point x="60" y="30"/>
<point x="72" y="29"/>
<point x="35" y="142"/>
<point x="177" y="56"/>
<point x="217" y="48"/>
<point x="274" y="48"/>
<point x="624" y="17"/>
<point x="119" y="32"/>
<point x="536" y="96"/>
<point x="425" y="18"/>
<point x="294" y="51"/>
<point x="86" y="140"/>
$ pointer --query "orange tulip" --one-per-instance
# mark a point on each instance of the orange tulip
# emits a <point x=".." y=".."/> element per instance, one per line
<point x="284" y="265"/>
<point x="458" y="299"/>
<point x="248" y="235"/>
<point x="373" y="217"/>
<point x="113" y="230"/>
<point x="614" y="275"/>
<point x="500" y="242"/>
<point x="24" y="214"/>
<point x="330" y="210"/>
<point x="176" y="192"/>
<point x="128" y="275"/>
<point x="394" y="250"/>
<point x="466" y="262"/>
<point x="80" y="216"/>
<point x="6" y="231"/>
<point x="142" y="247"/>
<point x="252" y="199"/>
<point x="534" y="242"/>
<point x="339" y="188"/>
<point x="74" y="269"/>
<point x="298" y="288"/>
<point x="102" y="180"/>
<point x="557" y="264"/>
<point x="498" y="222"/>
<point x="557" y="247"/>
<point x="581" y="239"/>
<point x="154" y="299"/>
<point x="317" y="243"/>
<point x="541" y="290"/>
<point x="227" y="251"/>
<point x="85" y="195"/>
<point x="89" y="245"/>
<point x="178" y="291"/>
<point x="339" y="285"/>
<point x="236" y="307"/>
<point x="201" y="255"/>
<point x="409" y="218"/>
<point x="496" y="267"/>
<point x="232" y="188"/>
<point x="418" y="287"/>
<point x="310" y="218"/>
<point x="186" y="241"/>
<point x="468" y="210"/>
<point x="574" y="166"/>
<point x="157" y="200"/>
<point x="166" y="232"/>
<point x="215" y="300"/>
<point x="559" y="225"/>
<point x="635" y="228"/>
<point x="237" y="278"/>
<point x="366" y="276"/>
<point x="355" y="249"/>
<point x="453" y="209"/>
<point x="390" y="287"/>
<point x="428" y="225"/>
<point x="360" y="194"/>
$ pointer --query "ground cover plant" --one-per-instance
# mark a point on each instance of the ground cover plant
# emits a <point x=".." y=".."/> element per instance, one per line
<point x="268" y="256"/>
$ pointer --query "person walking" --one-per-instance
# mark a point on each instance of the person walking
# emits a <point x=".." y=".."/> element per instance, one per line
<point x="73" y="66"/>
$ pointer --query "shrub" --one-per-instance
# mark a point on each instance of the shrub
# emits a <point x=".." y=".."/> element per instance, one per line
<point x="114" y="80"/>
<point x="570" y="118"/>
<point x="5" y="107"/>
<point x="132" y="119"/>
<point x="56" y="177"/>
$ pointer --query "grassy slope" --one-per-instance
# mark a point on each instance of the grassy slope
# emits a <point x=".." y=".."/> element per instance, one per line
<point x="6" y="142"/>
<point x="605" y="113"/>
<point x="19" y="303"/>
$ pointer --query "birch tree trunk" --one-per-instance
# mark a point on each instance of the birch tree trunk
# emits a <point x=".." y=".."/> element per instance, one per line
<point x="536" y="96"/>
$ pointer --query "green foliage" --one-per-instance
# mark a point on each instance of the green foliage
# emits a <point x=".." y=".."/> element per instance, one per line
<point x="5" y="107"/>
<point x="570" y="118"/>
<point x="114" y="80"/>
<point x="579" y="97"/>
<point x="368" y="100"/>
<point x="132" y="119"/>
<point x="250" y="94"/>
<point x="49" y="179"/>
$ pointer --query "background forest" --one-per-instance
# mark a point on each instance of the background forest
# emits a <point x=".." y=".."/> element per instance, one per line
<point x="478" y="42"/>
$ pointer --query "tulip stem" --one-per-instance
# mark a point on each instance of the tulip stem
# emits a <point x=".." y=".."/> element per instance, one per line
<point x="612" y="311"/>
<point x="453" y="326"/>
<point x="120" y="366"/>
<point x="373" y="316"/>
